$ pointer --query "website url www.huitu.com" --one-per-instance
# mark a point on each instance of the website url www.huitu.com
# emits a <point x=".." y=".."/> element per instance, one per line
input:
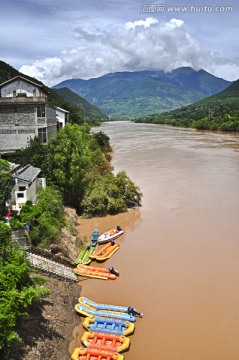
<point x="153" y="8"/>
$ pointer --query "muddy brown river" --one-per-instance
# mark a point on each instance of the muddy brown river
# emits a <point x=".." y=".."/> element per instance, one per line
<point x="179" y="256"/>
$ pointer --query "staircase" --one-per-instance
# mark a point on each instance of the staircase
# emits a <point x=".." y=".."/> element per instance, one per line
<point x="51" y="267"/>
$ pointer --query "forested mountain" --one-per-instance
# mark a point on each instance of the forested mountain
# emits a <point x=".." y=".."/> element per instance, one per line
<point x="87" y="109"/>
<point x="217" y="112"/>
<point x="80" y="109"/>
<point x="134" y="94"/>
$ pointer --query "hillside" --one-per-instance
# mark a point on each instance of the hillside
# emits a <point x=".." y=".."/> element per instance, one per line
<point x="80" y="109"/>
<point x="88" y="110"/>
<point x="218" y="112"/>
<point x="134" y="94"/>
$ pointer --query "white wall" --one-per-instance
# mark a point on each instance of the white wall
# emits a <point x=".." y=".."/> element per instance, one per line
<point x="20" y="86"/>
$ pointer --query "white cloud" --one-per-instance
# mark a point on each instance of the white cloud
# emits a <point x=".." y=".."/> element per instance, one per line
<point x="41" y="69"/>
<point x="177" y="22"/>
<point x="140" y="45"/>
<point x="145" y="23"/>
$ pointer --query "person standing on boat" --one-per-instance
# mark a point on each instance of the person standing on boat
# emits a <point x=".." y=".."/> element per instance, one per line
<point x="94" y="237"/>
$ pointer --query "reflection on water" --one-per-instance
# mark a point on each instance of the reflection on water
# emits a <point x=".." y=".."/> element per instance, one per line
<point x="129" y="220"/>
<point x="179" y="255"/>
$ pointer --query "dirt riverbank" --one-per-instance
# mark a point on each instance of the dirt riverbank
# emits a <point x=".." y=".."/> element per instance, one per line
<point x="47" y="331"/>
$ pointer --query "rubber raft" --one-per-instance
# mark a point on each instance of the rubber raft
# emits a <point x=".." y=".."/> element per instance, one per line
<point x="90" y="308"/>
<point x="92" y="304"/>
<point x="110" y="326"/>
<point x="95" y="354"/>
<point x="92" y="312"/>
<point x="94" y="272"/>
<point x="105" y="252"/>
<point x="85" y="255"/>
<point x="112" y="342"/>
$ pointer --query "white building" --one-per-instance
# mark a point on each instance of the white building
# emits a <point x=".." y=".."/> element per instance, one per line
<point x="26" y="113"/>
<point x="26" y="184"/>
<point x="62" y="116"/>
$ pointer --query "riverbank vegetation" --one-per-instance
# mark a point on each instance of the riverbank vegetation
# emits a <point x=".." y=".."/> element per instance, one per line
<point x="219" y="117"/>
<point x="45" y="219"/>
<point x="18" y="290"/>
<point x="219" y="112"/>
<point x="77" y="168"/>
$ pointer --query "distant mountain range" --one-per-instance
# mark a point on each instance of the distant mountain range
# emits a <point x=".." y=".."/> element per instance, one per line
<point x="79" y="108"/>
<point x="135" y="94"/>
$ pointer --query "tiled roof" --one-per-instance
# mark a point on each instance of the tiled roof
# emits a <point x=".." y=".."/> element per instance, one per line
<point x="27" y="173"/>
<point x="22" y="78"/>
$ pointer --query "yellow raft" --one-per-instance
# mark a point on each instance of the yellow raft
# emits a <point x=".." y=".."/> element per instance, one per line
<point x="105" y="252"/>
<point x="94" y="353"/>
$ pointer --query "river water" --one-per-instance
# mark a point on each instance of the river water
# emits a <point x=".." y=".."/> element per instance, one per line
<point x="179" y="255"/>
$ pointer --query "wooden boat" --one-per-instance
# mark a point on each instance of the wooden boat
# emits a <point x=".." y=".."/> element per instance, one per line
<point x="107" y="325"/>
<point x="95" y="272"/>
<point x="110" y="235"/>
<point x="84" y="256"/>
<point x="124" y="309"/>
<point x="112" y="342"/>
<point x="106" y="251"/>
<point x="95" y="354"/>
<point x="92" y="312"/>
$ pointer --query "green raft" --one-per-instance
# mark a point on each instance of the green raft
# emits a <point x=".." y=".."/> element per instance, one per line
<point x="84" y="256"/>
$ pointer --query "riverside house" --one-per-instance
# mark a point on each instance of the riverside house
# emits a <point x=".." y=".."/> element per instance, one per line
<point x="62" y="117"/>
<point x="27" y="181"/>
<point x="26" y="113"/>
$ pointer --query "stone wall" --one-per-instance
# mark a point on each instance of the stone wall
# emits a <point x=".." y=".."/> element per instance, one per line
<point x="19" y="123"/>
<point x="22" y="115"/>
<point x="13" y="139"/>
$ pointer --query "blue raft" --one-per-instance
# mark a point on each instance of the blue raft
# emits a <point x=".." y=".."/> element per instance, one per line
<point x="92" y="312"/>
<point x="123" y="309"/>
<point x="110" y="326"/>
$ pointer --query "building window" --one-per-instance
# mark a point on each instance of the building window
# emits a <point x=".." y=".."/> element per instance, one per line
<point x="20" y="195"/>
<point x="42" y="135"/>
<point x="22" y="188"/>
<point x="41" y="112"/>
<point x="59" y="125"/>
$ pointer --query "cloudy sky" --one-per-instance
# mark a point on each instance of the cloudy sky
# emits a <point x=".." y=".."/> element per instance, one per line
<point x="55" y="40"/>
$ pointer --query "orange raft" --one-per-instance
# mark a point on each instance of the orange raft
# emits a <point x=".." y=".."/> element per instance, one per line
<point x="95" y="354"/>
<point x="94" y="272"/>
<point x="106" y="251"/>
<point x="112" y="342"/>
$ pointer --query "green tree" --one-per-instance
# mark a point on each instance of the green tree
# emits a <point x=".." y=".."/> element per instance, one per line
<point x="6" y="185"/>
<point x="129" y="192"/>
<point x="45" y="218"/>
<point x="103" y="141"/>
<point x="70" y="156"/>
<point x="35" y="154"/>
<point x="111" y="195"/>
<point x="17" y="290"/>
